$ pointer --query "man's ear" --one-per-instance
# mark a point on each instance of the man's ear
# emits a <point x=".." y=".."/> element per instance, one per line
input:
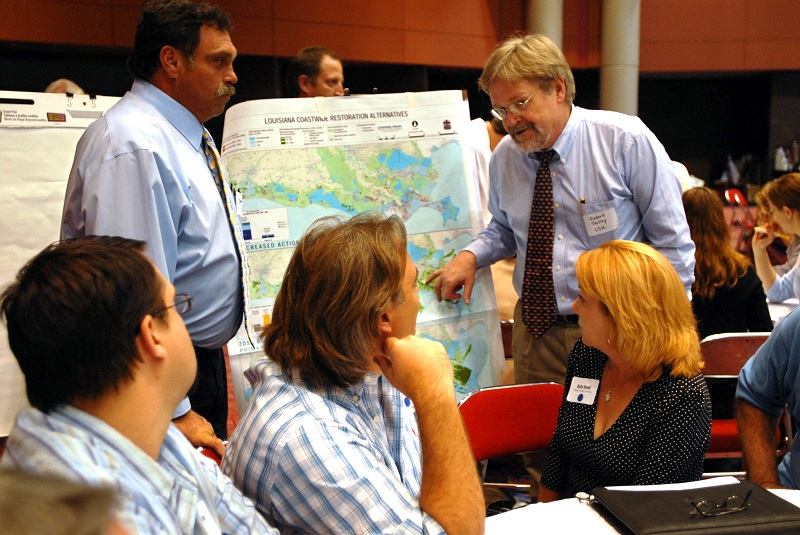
<point x="171" y="59"/>
<point x="560" y="89"/>
<point x="305" y="84"/>
<point x="148" y="341"/>
<point x="384" y="323"/>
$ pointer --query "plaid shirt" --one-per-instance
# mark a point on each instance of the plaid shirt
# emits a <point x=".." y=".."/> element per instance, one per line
<point x="154" y="497"/>
<point x="329" y="461"/>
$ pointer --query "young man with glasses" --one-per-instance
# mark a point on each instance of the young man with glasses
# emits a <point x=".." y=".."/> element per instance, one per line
<point x="611" y="179"/>
<point x="98" y="334"/>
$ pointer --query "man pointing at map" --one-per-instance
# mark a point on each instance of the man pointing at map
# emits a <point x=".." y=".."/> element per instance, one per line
<point x="565" y="180"/>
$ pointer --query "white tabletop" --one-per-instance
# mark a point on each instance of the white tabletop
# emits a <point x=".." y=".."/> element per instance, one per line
<point x="778" y="311"/>
<point x="571" y="516"/>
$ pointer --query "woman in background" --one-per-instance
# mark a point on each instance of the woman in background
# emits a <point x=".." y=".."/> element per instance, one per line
<point x="727" y="295"/>
<point x="636" y="409"/>
<point x="790" y="242"/>
<point x="782" y="197"/>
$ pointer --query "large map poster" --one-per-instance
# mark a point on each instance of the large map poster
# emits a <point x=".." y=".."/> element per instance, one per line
<point x="295" y="160"/>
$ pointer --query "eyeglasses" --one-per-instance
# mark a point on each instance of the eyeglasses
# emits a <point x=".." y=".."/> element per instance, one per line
<point x="517" y="108"/>
<point x="732" y="504"/>
<point x="182" y="304"/>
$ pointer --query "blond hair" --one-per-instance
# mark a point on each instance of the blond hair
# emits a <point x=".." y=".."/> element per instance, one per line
<point x="532" y="57"/>
<point x="651" y="317"/>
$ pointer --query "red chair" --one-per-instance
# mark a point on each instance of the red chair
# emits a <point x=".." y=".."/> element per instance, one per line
<point x="724" y="355"/>
<point x="504" y="420"/>
<point x="211" y="454"/>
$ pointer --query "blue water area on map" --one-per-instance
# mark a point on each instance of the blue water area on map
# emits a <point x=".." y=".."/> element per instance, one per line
<point x="399" y="160"/>
<point x="418" y="253"/>
<point x="320" y="196"/>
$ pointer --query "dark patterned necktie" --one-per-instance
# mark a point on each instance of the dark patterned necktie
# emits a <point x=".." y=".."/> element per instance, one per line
<point x="212" y="157"/>
<point x="538" y="293"/>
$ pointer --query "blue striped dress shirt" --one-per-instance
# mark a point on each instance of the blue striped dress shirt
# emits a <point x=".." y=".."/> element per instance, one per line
<point x="332" y="460"/>
<point x="154" y="497"/>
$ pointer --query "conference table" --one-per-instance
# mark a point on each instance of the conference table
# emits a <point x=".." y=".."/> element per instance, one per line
<point x="572" y="516"/>
<point x="778" y="311"/>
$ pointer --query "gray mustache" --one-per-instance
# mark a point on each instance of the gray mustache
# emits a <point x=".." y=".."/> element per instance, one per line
<point x="225" y="90"/>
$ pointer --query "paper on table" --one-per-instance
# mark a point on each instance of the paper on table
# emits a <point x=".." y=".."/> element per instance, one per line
<point x="553" y="517"/>
<point x="703" y="483"/>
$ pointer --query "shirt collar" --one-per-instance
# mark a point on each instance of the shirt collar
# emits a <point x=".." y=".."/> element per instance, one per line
<point x="119" y="450"/>
<point x="567" y="138"/>
<point x="182" y="119"/>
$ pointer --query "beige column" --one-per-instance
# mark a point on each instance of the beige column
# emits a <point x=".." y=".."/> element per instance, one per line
<point x="619" y="56"/>
<point x="546" y="17"/>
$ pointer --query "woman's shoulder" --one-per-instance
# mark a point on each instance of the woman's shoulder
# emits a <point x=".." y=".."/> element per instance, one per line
<point x="682" y="386"/>
<point x="586" y="361"/>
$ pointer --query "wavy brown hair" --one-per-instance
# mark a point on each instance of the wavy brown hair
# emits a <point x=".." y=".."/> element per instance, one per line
<point x="342" y="276"/>
<point x="717" y="264"/>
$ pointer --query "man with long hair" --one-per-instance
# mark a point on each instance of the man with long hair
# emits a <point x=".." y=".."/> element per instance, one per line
<point x="350" y="411"/>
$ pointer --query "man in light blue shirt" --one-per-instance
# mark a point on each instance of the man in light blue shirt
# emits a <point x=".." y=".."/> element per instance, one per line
<point x="348" y="400"/>
<point x="98" y="334"/>
<point x="611" y="179"/>
<point x="769" y="382"/>
<point x="141" y="172"/>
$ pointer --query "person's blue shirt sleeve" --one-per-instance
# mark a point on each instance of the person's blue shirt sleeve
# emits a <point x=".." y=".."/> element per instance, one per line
<point x="784" y="287"/>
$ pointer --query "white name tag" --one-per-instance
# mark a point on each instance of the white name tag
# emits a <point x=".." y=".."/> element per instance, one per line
<point x="582" y="390"/>
<point x="601" y="222"/>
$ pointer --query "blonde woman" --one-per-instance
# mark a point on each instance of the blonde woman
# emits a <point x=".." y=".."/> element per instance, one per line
<point x="782" y="200"/>
<point x="636" y="409"/>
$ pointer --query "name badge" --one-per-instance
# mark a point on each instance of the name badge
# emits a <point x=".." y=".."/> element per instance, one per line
<point x="583" y="390"/>
<point x="601" y="222"/>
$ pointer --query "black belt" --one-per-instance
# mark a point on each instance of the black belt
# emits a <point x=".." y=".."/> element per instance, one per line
<point x="571" y="318"/>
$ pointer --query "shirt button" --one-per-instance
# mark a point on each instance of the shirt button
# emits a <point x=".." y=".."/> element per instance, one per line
<point x="375" y="419"/>
<point x="563" y="298"/>
<point x="560" y="236"/>
<point x="558" y="268"/>
<point x="367" y="379"/>
<point x="556" y="205"/>
<point x="355" y="398"/>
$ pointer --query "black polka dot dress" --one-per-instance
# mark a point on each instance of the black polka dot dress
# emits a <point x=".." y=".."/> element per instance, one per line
<point x="660" y="437"/>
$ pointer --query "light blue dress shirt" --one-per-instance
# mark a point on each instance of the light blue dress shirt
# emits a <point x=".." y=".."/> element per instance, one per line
<point x="612" y="179"/>
<point x="158" y="497"/>
<point x="771" y="379"/>
<point x="140" y="172"/>
<point x="785" y="286"/>
<point x="329" y="461"/>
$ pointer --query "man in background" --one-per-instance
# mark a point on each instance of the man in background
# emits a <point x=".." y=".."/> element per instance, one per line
<point x="565" y="180"/>
<point x="64" y="85"/>
<point x="98" y="334"/>
<point x="144" y="171"/>
<point x="315" y="71"/>
<point x="349" y="402"/>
